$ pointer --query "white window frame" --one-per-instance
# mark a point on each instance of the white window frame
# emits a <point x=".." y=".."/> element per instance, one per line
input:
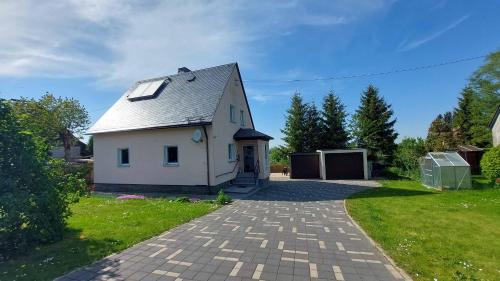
<point x="231" y="152"/>
<point x="119" y="157"/>
<point x="242" y="117"/>
<point x="165" y="156"/>
<point x="232" y="113"/>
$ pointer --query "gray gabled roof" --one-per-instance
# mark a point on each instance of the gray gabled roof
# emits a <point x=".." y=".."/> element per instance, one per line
<point x="183" y="102"/>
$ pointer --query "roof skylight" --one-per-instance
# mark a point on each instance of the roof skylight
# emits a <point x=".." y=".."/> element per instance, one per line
<point x="146" y="90"/>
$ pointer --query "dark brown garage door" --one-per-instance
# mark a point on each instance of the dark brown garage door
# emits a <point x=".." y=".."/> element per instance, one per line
<point x="344" y="166"/>
<point x="304" y="166"/>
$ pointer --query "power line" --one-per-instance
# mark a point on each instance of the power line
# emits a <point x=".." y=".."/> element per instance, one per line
<point x="416" y="68"/>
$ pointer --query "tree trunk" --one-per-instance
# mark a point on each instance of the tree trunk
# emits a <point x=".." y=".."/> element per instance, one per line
<point x="66" y="139"/>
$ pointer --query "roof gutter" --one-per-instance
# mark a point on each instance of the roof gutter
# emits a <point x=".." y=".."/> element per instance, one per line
<point x="187" y="125"/>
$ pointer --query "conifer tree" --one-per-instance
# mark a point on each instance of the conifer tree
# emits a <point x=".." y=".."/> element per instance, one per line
<point x="294" y="130"/>
<point x="333" y="124"/>
<point x="312" y="129"/>
<point x="462" y="117"/>
<point x="373" y="127"/>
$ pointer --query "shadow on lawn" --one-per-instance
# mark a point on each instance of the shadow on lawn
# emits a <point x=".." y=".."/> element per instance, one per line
<point x="46" y="262"/>
<point x="390" y="192"/>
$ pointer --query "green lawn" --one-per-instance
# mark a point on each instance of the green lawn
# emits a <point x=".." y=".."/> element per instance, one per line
<point x="453" y="235"/>
<point x="98" y="227"/>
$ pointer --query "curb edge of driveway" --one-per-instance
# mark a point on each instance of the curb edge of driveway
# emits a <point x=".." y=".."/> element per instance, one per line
<point x="401" y="271"/>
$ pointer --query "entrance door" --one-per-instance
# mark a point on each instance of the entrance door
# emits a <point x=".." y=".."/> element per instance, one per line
<point x="248" y="158"/>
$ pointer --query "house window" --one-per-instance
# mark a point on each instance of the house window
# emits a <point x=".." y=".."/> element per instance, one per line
<point x="242" y="118"/>
<point x="232" y="114"/>
<point x="231" y="152"/>
<point x="123" y="157"/>
<point x="171" y="155"/>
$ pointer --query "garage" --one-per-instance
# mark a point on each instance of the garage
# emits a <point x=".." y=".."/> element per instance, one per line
<point x="305" y="166"/>
<point x="343" y="164"/>
<point x="340" y="166"/>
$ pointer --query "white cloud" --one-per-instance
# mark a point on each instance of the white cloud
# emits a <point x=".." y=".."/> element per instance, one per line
<point x="260" y="96"/>
<point x="406" y="46"/>
<point x="119" y="41"/>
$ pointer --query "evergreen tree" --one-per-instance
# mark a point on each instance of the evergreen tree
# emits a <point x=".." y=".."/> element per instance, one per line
<point x="440" y="133"/>
<point x="333" y="124"/>
<point x="312" y="129"/>
<point x="294" y="130"/>
<point x="462" y="118"/>
<point x="372" y="127"/>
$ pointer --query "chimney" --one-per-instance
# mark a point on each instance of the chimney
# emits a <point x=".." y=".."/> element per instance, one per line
<point x="183" y="70"/>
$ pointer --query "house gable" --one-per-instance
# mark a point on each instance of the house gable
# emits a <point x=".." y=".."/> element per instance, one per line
<point x="223" y="130"/>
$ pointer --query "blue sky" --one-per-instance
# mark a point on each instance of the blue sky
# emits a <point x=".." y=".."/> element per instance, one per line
<point x="93" y="50"/>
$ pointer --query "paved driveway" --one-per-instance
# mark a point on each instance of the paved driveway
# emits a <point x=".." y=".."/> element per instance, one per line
<point x="292" y="230"/>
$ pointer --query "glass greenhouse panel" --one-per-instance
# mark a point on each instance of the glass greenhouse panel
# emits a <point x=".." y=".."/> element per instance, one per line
<point x="445" y="170"/>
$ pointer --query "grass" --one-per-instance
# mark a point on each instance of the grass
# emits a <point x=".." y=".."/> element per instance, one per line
<point x="453" y="235"/>
<point x="98" y="227"/>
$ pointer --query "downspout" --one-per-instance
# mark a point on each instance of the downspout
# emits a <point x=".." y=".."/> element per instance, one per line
<point x="208" y="160"/>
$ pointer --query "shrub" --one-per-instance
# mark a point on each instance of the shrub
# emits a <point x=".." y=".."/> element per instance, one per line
<point x="278" y="168"/>
<point x="69" y="179"/>
<point x="407" y="157"/>
<point x="222" y="198"/>
<point x="490" y="163"/>
<point x="34" y="192"/>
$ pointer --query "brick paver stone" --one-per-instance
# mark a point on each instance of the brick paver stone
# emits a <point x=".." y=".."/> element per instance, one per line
<point x="291" y="230"/>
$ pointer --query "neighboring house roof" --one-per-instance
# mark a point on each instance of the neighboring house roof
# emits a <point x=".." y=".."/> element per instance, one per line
<point x="190" y="98"/>
<point x="494" y="119"/>
<point x="468" y="147"/>
<point x="250" y="134"/>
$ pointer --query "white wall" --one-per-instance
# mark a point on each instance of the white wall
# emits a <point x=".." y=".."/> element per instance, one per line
<point x="265" y="168"/>
<point x="496" y="132"/>
<point x="146" y="158"/>
<point x="223" y="130"/>
<point x="146" y="149"/>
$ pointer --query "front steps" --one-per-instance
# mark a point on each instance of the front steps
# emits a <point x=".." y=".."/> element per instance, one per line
<point x="244" y="179"/>
<point x="243" y="183"/>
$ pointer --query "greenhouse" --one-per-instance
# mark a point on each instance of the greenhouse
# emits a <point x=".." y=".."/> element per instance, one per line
<point x="445" y="170"/>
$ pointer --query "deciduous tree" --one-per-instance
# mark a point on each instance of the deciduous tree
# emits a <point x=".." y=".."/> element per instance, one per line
<point x="57" y="120"/>
<point x="440" y="134"/>
<point x="486" y="85"/>
<point x="408" y="154"/>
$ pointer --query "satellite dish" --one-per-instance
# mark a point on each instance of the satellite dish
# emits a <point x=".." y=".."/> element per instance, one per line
<point x="196" y="136"/>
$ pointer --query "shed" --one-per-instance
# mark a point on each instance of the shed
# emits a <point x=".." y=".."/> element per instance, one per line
<point x="445" y="170"/>
<point x="473" y="156"/>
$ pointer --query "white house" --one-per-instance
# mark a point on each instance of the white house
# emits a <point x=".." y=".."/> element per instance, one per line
<point x="190" y="132"/>
<point x="495" y="127"/>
